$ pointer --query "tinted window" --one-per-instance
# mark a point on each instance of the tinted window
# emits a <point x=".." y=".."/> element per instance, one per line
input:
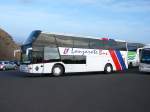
<point x="132" y="47"/>
<point x="80" y="43"/>
<point x="67" y="59"/>
<point x="37" y="55"/>
<point x="6" y="62"/>
<point x="139" y="45"/>
<point x="32" y="36"/>
<point x="63" y="41"/>
<point x="96" y="44"/>
<point x="11" y="62"/>
<point x="115" y="45"/>
<point x="145" y="57"/>
<point x="80" y="59"/>
<point x="45" y="40"/>
<point x="51" y="54"/>
<point x="121" y="46"/>
<point x="76" y="59"/>
<point x="110" y="44"/>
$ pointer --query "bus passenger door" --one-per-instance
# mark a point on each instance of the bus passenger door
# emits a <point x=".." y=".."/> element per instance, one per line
<point x="37" y="60"/>
<point x="51" y="56"/>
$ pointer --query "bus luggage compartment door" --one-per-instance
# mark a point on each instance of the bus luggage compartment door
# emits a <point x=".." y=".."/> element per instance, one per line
<point x="37" y="68"/>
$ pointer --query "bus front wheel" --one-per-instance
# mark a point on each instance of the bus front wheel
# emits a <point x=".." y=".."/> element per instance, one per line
<point x="108" y="68"/>
<point x="4" y="69"/>
<point x="57" y="70"/>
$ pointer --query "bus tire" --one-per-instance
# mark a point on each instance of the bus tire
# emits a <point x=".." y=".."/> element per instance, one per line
<point x="108" y="68"/>
<point x="130" y="64"/>
<point x="4" y="69"/>
<point x="57" y="70"/>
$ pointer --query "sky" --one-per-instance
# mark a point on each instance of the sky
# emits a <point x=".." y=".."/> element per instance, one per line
<point x="127" y="20"/>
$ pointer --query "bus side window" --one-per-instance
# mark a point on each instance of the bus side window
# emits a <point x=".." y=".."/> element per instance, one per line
<point x="81" y="43"/>
<point x="64" y="41"/>
<point x="112" y="44"/>
<point x="106" y="44"/>
<point x="45" y="39"/>
<point x="37" y="54"/>
<point x="67" y="59"/>
<point x="121" y="46"/>
<point x="132" y="46"/>
<point x="96" y="44"/>
<point x="78" y="59"/>
<point x="51" y="53"/>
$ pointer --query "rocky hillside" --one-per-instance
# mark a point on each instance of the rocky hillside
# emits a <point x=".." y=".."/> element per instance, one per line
<point x="7" y="46"/>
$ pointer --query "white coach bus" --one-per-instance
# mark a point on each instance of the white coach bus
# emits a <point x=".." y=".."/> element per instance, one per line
<point x="133" y="53"/>
<point x="58" y="54"/>
<point x="144" y="65"/>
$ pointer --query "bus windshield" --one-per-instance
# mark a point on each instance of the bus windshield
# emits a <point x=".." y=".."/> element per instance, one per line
<point x="145" y="57"/>
<point x="32" y="37"/>
<point x="25" y="58"/>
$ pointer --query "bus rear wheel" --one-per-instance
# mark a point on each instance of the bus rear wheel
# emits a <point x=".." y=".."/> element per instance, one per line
<point x="130" y="64"/>
<point x="108" y="68"/>
<point x="57" y="70"/>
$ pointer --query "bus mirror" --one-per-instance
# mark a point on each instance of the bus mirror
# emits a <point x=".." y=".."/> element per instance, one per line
<point x="140" y="52"/>
<point x="28" y="50"/>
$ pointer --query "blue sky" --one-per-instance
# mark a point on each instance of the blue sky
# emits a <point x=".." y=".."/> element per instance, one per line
<point x="119" y="19"/>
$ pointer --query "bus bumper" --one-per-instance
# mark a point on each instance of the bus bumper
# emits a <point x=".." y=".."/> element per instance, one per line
<point x="144" y="67"/>
<point x="24" y="68"/>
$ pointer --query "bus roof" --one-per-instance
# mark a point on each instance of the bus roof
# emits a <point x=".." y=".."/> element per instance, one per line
<point x="72" y="35"/>
<point x="147" y="46"/>
<point x="80" y="36"/>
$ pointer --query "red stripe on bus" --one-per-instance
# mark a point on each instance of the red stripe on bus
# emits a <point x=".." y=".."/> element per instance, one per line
<point x="115" y="59"/>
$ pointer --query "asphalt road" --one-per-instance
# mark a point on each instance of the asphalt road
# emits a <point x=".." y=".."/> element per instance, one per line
<point x="127" y="91"/>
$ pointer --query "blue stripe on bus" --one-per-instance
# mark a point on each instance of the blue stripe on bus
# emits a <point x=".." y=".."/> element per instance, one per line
<point x="121" y="60"/>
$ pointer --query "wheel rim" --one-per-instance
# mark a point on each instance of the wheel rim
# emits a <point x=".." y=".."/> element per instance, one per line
<point x="57" y="71"/>
<point x="109" y="69"/>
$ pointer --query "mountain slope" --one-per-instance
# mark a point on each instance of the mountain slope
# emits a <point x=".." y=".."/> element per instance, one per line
<point x="7" y="46"/>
